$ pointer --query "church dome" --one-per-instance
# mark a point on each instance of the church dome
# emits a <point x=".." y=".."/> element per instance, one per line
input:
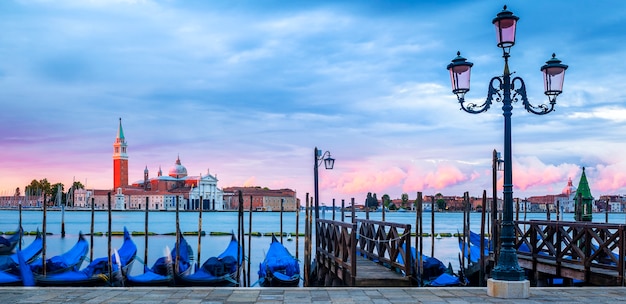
<point x="178" y="170"/>
<point x="569" y="189"/>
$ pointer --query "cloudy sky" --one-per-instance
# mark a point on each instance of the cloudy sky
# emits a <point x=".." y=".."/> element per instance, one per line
<point x="247" y="90"/>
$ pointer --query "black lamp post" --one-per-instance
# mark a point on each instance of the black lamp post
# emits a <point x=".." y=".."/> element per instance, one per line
<point x="329" y="162"/>
<point x="507" y="91"/>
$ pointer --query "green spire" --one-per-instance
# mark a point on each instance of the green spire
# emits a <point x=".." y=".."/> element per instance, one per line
<point x="120" y="131"/>
<point x="583" y="207"/>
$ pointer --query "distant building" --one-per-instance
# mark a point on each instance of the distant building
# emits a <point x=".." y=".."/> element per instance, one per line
<point x="262" y="199"/>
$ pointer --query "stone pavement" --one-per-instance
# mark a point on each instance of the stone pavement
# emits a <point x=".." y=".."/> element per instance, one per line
<point x="189" y="295"/>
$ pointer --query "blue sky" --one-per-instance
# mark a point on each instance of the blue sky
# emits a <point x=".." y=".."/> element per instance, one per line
<point x="247" y="89"/>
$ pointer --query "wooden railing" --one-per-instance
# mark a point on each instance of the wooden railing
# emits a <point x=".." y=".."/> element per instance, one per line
<point x="386" y="243"/>
<point x="336" y="248"/>
<point x="573" y="249"/>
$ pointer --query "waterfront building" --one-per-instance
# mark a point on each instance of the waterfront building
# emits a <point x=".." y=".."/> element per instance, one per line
<point x="262" y="199"/>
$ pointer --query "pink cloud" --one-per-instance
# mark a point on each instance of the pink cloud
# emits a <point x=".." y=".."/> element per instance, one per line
<point x="529" y="172"/>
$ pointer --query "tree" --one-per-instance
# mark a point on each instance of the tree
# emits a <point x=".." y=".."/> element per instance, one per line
<point x="39" y="187"/>
<point x="375" y="200"/>
<point x="370" y="201"/>
<point x="17" y="192"/>
<point x="405" y="200"/>
<point x="441" y="203"/>
<point x="386" y="199"/>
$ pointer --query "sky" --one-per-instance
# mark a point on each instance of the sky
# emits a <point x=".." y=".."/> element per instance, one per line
<point x="245" y="90"/>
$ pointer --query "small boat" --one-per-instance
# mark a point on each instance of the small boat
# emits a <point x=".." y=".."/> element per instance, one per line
<point x="68" y="261"/>
<point x="97" y="272"/>
<point x="10" y="263"/>
<point x="163" y="272"/>
<point x="7" y="244"/>
<point x="217" y="271"/>
<point x="279" y="268"/>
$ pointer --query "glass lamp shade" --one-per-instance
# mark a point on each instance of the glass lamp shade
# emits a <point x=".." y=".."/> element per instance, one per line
<point x="505" y="23"/>
<point x="460" y="70"/>
<point x="329" y="163"/>
<point x="553" y="76"/>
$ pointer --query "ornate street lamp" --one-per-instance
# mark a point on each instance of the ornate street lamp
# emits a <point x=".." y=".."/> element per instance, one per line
<point x="507" y="90"/>
<point x="329" y="163"/>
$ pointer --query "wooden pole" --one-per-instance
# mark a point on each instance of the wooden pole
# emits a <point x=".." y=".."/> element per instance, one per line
<point x="307" y="241"/>
<point x="343" y="208"/>
<point x="147" y="231"/>
<point x="333" y="210"/>
<point x="418" y="238"/>
<point x="62" y="221"/>
<point x="466" y="225"/>
<point x="282" y="200"/>
<point x="482" y="242"/>
<point x="243" y="239"/>
<point x="93" y="213"/>
<point x="200" y="207"/>
<point x="109" y="258"/>
<point x="298" y="224"/>
<point x="558" y="210"/>
<point x="313" y="223"/>
<point x="44" y="245"/>
<point x="178" y="232"/>
<point x="606" y="212"/>
<point x="239" y="237"/>
<point x="383" y="217"/>
<point x="367" y="212"/>
<point x="432" y="226"/>
<point x="21" y="229"/>
<point x="353" y="215"/>
<point x="250" y="239"/>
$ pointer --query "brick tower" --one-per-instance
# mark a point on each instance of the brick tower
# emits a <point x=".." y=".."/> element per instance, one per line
<point x="120" y="160"/>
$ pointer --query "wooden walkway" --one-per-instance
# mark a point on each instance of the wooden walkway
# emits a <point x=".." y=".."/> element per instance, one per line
<point x="363" y="253"/>
<point x="372" y="274"/>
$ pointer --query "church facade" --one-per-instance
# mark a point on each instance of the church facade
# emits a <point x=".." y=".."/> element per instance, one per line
<point x="162" y="192"/>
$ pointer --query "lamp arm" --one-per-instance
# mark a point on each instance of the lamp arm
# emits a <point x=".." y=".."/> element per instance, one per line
<point x="493" y="91"/>
<point x="321" y="158"/>
<point x="541" y="109"/>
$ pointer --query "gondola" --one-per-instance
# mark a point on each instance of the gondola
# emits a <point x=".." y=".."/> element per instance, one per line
<point x="433" y="272"/>
<point x="217" y="271"/>
<point x="163" y="272"/>
<point x="70" y="260"/>
<point x="472" y="253"/>
<point x="7" y="244"/>
<point x="279" y="268"/>
<point x="10" y="263"/>
<point x="23" y="278"/>
<point x="97" y="272"/>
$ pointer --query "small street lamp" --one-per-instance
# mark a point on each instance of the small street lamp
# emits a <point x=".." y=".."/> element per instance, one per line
<point x="329" y="163"/>
<point x="507" y="90"/>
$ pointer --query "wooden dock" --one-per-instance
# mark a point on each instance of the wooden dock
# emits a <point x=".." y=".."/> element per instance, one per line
<point x="372" y="274"/>
<point x="367" y="254"/>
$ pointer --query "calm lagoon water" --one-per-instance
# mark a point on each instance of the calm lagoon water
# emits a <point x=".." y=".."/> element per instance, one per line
<point x="446" y="249"/>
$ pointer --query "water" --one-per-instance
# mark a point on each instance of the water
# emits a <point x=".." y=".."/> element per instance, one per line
<point x="446" y="249"/>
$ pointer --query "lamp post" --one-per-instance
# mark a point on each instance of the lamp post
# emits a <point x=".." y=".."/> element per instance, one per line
<point x="507" y="91"/>
<point x="329" y="162"/>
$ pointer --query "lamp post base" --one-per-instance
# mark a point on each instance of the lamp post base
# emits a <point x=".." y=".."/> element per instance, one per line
<point x="508" y="289"/>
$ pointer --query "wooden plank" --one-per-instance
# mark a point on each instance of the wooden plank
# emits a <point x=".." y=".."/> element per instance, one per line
<point x="371" y="274"/>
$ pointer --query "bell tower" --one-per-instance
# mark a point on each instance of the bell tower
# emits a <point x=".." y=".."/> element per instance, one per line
<point x="120" y="160"/>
